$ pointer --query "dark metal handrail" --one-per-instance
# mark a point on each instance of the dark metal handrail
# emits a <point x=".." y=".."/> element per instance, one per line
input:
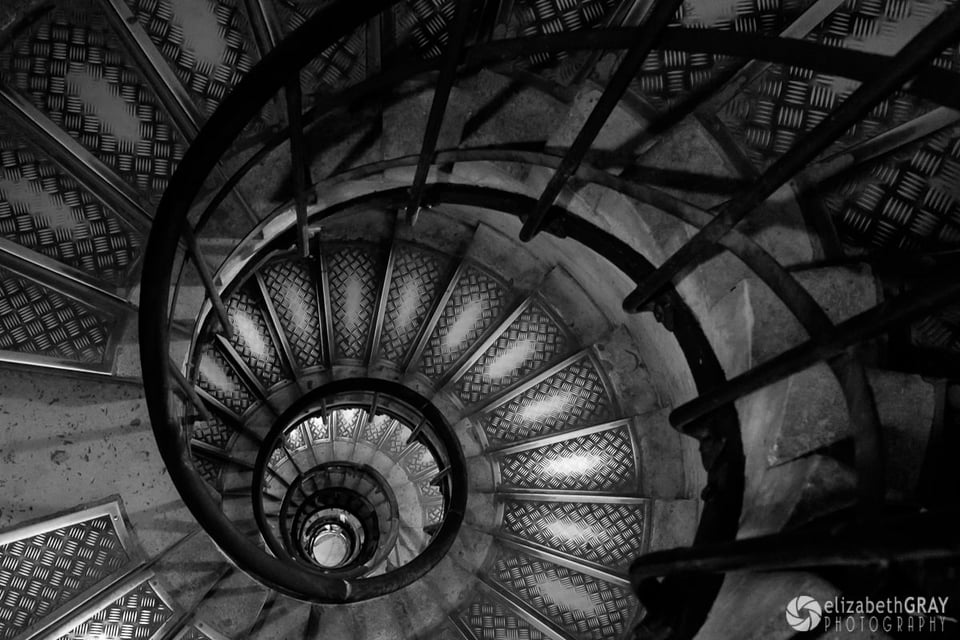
<point x="722" y="457"/>
<point x="170" y="225"/>
<point x="450" y="456"/>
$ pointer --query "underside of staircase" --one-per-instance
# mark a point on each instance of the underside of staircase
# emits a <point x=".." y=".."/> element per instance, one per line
<point x="469" y="320"/>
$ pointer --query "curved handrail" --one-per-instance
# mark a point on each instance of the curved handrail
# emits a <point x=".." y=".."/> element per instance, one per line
<point x="269" y="77"/>
<point x="223" y="127"/>
<point x="455" y="506"/>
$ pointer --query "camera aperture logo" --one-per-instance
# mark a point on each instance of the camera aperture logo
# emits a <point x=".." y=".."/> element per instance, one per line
<point x="803" y="613"/>
<point x="911" y="614"/>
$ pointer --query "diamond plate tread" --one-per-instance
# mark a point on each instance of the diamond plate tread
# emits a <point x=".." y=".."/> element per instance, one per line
<point x="209" y="470"/>
<point x="477" y="301"/>
<point x="941" y="330"/>
<point x="419" y="460"/>
<point x="40" y="573"/>
<point x="432" y="502"/>
<point x="426" y="22"/>
<point x="908" y="200"/>
<point x="215" y="432"/>
<point x="37" y="320"/>
<point x="528" y="345"/>
<point x="346" y="422"/>
<point x="253" y="339"/>
<point x="773" y="112"/>
<point x="217" y="377"/>
<point x="396" y="442"/>
<point x="277" y="457"/>
<point x="137" y="614"/>
<point x="416" y="283"/>
<point x="318" y="428"/>
<point x="594" y="462"/>
<point x="490" y="620"/>
<point x="292" y="290"/>
<point x="44" y="209"/>
<point x="608" y="534"/>
<point x="587" y="608"/>
<point x="73" y="68"/>
<point x="207" y="43"/>
<point x="541" y="17"/>
<point x="294" y="440"/>
<point x="339" y="65"/>
<point x="575" y="396"/>
<point x="667" y="76"/>
<point x="354" y="276"/>
<point x="374" y="430"/>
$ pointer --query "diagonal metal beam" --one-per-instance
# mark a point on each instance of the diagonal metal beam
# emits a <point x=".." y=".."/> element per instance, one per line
<point x="879" y="145"/>
<point x="246" y="374"/>
<point x="63" y="278"/>
<point x="927" y="44"/>
<point x="211" y="452"/>
<point x="280" y="333"/>
<point x="927" y="536"/>
<point x="299" y="162"/>
<point x="645" y="38"/>
<point x="729" y="82"/>
<point x="861" y="327"/>
<point x="206" y="278"/>
<point x="76" y="160"/>
<point x="386" y="282"/>
<point x="523" y="609"/>
<point x="456" y="36"/>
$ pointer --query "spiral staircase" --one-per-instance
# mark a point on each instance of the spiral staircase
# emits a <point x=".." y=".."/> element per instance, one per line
<point x="277" y="363"/>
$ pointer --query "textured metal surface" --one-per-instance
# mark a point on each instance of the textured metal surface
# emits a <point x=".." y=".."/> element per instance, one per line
<point x="908" y="200"/>
<point x="353" y="277"/>
<point x="771" y="113"/>
<point x="216" y="377"/>
<point x="431" y="500"/>
<point x="209" y="470"/>
<point x="940" y="330"/>
<point x="490" y="620"/>
<point x="346" y="422"/>
<point x="318" y="429"/>
<point x="374" y="430"/>
<point x="608" y="534"/>
<point x="574" y="396"/>
<point x="252" y="338"/>
<point x="71" y="66"/>
<point x="537" y="17"/>
<point x="139" y="613"/>
<point x="214" y="432"/>
<point x="425" y="22"/>
<point x="338" y="65"/>
<point x="42" y="572"/>
<point x="418" y="460"/>
<point x="37" y="320"/>
<point x="531" y="341"/>
<point x="44" y="209"/>
<point x="416" y="283"/>
<point x="583" y="606"/>
<point x="598" y="461"/>
<point x="669" y="75"/>
<point x="396" y="441"/>
<point x="294" y="296"/>
<point x="208" y="43"/>
<point x="293" y="440"/>
<point x="477" y="301"/>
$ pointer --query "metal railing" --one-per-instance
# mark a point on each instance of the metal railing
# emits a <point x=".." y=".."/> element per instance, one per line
<point x="710" y="417"/>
